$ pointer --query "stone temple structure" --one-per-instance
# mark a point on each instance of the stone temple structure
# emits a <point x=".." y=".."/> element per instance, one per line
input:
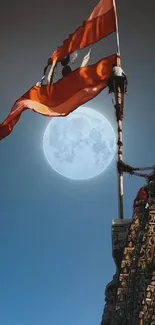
<point x="130" y="296"/>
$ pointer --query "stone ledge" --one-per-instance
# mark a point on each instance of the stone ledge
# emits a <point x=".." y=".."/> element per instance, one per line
<point x="120" y="230"/>
<point x="121" y="222"/>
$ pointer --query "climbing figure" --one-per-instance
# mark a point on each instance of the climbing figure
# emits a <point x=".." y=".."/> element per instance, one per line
<point x="151" y="186"/>
<point x="118" y="79"/>
<point x="142" y="196"/>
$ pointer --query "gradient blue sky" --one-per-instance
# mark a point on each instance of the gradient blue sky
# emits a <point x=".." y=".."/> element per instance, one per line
<point x="55" y="234"/>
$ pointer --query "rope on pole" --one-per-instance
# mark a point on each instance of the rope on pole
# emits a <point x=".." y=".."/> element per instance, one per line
<point x="125" y="168"/>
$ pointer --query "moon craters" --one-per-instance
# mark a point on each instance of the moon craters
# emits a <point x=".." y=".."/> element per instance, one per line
<point x="81" y="145"/>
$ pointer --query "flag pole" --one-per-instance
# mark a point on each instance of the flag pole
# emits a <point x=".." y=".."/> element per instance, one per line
<point x="117" y="31"/>
<point x="119" y="106"/>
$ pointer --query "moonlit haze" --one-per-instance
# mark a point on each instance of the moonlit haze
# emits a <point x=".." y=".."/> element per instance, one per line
<point x="81" y="145"/>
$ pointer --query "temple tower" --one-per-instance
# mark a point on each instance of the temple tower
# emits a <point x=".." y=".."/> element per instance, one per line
<point x="130" y="296"/>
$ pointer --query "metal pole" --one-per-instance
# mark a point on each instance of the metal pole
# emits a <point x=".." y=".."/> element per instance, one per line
<point x="119" y="106"/>
<point x="117" y="32"/>
<point x="119" y="103"/>
<point x="119" y="99"/>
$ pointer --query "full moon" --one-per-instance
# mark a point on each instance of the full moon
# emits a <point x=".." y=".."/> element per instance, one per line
<point x="81" y="145"/>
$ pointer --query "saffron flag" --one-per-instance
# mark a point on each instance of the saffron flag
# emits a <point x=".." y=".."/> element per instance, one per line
<point x="101" y="23"/>
<point x="64" y="96"/>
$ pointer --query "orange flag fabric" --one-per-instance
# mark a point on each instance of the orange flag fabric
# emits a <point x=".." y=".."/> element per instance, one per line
<point x="101" y="23"/>
<point x="64" y="96"/>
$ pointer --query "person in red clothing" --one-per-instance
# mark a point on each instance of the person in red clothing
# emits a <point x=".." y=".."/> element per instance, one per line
<point x="142" y="195"/>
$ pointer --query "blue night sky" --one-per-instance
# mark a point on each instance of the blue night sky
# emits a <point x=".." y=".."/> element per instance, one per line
<point x="55" y="234"/>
